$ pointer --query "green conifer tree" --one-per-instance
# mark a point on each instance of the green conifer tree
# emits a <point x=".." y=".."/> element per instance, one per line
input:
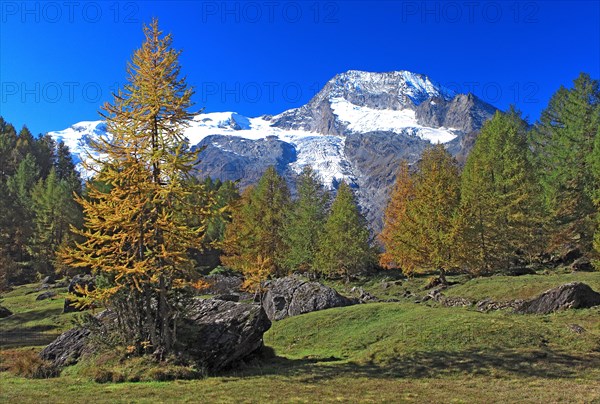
<point x="344" y="247"/>
<point x="304" y="224"/>
<point x="499" y="217"/>
<point x="563" y="142"/>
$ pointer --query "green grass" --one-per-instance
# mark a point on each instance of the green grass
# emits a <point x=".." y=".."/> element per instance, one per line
<point x="519" y="287"/>
<point x="306" y="385"/>
<point x="34" y="323"/>
<point x="390" y="285"/>
<point x="381" y="352"/>
<point x="395" y="336"/>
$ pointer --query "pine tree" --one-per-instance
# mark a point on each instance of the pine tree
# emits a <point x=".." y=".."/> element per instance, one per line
<point x="304" y="224"/>
<point x="344" y="245"/>
<point x="422" y="239"/>
<point x="499" y="217"/>
<point x="253" y="241"/>
<point x="563" y="141"/>
<point x="135" y="234"/>
<point x="8" y="141"/>
<point x="394" y="219"/>
<point x="56" y="211"/>
<point x="19" y="187"/>
<point x="596" y="195"/>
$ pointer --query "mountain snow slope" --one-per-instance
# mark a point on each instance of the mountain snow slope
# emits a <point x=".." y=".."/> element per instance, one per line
<point x="356" y="129"/>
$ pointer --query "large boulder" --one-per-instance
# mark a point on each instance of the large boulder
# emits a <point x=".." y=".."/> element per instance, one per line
<point x="292" y="295"/>
<point x="575" y="295"/>
<point x="216" y="333"/>
<point x="4" y="312"/>
<point x="67" y="348"/>
<point x="219" y="333"/>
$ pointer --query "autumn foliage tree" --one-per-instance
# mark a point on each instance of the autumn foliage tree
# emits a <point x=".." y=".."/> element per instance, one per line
<point x="254" y="241"/>
<point x="418" y="232"/>
<point x="394" y="218"/>
<point x="136" y="238"/>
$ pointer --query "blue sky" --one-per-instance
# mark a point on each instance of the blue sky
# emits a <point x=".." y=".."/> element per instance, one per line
<point x="60" y="60"/>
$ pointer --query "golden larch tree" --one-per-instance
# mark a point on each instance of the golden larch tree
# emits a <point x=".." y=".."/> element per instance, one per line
<point x="135" y="237"/>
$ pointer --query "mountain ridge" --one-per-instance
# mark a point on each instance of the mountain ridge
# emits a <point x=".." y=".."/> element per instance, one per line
<point x="356" y="129"/>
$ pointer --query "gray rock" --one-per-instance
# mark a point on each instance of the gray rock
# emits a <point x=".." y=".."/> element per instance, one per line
<point x="48" y="280"/>
<point x="465" y="112"/>
<point x="67" y="348"/>
<point x="219" y="333"/>
<point x="215" y="333"/>
<point x="575" y="295"/>
<point x="4" y="312"/>
<point x="46" y="295"/>
<point x="292" y="295"/>
<point x="582" y="264"/>
<point x="223" y="284"/>
<point x="228" y="297"/>
<point x="235" y="158"/>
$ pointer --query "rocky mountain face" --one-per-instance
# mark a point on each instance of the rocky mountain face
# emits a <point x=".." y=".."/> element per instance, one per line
<point x="357" y="129"/>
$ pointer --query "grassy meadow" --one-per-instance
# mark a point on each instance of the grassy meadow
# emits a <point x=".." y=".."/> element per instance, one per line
<point x="378" y="352"/>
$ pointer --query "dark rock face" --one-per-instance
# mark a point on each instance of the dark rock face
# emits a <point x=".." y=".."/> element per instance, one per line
<point x="216" y="333"/>
<point x="46" y="295"/>
<point x="582" y="264"/>
<point x="575" y="295"/>
<point x="233" y="158"/>
<point x="464" y="112"/>
<point x="67" y="348"/>
<point x="375" y="157"/>
<point x="223" y="284"/>
<point x="219" y="333"/>
<point x="78" y="281"/>
<point x="4" y="312"/>
<point x="291" y="296"/>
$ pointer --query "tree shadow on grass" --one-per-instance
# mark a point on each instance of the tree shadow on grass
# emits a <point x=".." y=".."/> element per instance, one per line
<point x="13" y="333"/>
<point x="499" y="362"/>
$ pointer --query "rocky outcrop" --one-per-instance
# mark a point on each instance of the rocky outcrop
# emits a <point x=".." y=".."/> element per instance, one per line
<point x="218" y="333"/>
<point x="292" y="295"/>
<point x="4" y="312"/>
<point x="375" y="157"/>
<point x="235" y="158"/>
<point x="215" y="333"/>
<point x="582" y="264"/>
<point x="46" y="295"/>
<point x="575" y="295"/>
<point x="67" y="348"/>
<point x="464" y="112"/>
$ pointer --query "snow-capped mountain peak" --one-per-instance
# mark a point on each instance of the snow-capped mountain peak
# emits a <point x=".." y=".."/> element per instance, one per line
<point x="401" y="85"/>
<point x="355" y="129"/>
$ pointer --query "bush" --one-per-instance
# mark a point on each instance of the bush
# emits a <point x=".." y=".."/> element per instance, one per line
<point x="27" y="363"/>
